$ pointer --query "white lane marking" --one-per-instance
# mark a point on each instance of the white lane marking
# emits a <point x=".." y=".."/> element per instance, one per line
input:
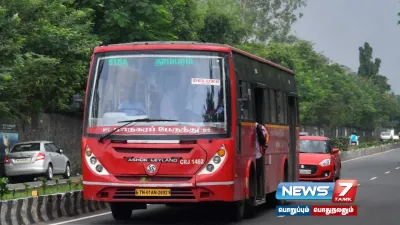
<point x="397" y="168"/>
<point x="281" y="216"/>
<point x="373" y="178"/>
<point x="82" y="218"/>
<point x="387" y="172"/>
<point x="370" y="155"/>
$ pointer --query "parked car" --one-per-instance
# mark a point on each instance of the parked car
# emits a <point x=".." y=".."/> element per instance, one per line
<point x="386" y="136"/>
<point x="319" y="160"/>
<point x="36" y="158"/>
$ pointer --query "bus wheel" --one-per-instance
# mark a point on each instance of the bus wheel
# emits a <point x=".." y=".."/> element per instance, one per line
<point x="250" y="203"/>
<point x="121" y="210"/>
<point x="235" y="212"/>
<point x="272" y="201"/>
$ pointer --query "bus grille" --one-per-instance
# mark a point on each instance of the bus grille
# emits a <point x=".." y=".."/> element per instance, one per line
<point x="176" y="193"/>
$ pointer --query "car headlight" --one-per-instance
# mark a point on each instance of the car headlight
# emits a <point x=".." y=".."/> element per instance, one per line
<point x="325" y="162"/>
<point x="215" y="162"/>
<point x="93" y="163"/>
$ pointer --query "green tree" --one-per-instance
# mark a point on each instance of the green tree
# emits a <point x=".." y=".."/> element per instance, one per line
<point x="55" y="46"/>
<point x="369" y="67"/>
<point x="118" y="21"/>
<point x="10" y="44"/>
<point x="270" y="19"/>
<point x="330" y="94"/>
<point x="222" y="22"/>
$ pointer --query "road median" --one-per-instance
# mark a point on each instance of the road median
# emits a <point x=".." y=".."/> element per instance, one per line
<point x="45" y="208"/>
<point x="357" y="153"/>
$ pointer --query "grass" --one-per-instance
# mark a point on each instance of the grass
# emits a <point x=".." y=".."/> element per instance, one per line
<point x="44" y="190"/>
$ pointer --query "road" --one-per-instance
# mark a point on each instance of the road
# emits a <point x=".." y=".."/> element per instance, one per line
<point x="37" y="183"/>
<point x="378" y="199"/>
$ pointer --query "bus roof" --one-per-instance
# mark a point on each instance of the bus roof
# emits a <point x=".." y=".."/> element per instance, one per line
<point x="183" y="45"/>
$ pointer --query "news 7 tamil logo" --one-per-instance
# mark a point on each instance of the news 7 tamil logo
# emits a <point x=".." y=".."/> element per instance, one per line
<point x="343" y="191"/>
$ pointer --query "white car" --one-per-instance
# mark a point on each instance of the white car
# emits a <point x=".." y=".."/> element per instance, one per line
<point x="386" y="136"/>
<point x="36" y="158"/>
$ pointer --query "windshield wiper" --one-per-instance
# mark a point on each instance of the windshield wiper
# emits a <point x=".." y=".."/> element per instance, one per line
<point x="127" y="122"/>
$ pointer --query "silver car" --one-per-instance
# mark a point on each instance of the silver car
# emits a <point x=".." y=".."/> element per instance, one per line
<point x="36" y="158"/>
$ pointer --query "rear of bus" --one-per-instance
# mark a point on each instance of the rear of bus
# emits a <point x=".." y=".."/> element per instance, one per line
<point x="181" y="149"/>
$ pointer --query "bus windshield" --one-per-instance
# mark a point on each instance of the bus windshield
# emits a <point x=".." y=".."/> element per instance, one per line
<point x="188" y="89"/>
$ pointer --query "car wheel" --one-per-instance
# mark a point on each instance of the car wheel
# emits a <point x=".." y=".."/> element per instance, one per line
<point x="49" y="172"/>
<point x="67" y="173"/>
<point x="14" y="180"/>
<point x="335" y="176"/>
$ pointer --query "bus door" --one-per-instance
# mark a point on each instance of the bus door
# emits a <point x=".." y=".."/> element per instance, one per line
<point x="259" y="102"/>
<point x="292" y="112"/>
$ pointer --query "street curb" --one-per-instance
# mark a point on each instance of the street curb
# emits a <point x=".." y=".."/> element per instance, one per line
<point x="45" y="208"/>
<point x="352" y="154"/>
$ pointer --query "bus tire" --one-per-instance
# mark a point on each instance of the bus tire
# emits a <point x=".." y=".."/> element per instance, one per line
<point x="121" y="210"/>
<point x="236" y="210"/>
<point x="272" y="201"/>
<point x="250" y="203"/>
<point x="285" y="179"/>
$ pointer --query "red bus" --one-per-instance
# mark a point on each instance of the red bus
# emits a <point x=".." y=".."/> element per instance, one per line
<point x="174" y="122"/>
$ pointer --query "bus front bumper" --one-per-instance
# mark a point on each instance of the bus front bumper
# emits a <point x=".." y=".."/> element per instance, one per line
<point x="159" y="193"/>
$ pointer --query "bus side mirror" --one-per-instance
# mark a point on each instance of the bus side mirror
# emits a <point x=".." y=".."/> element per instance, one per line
<point x="77" y="102"/>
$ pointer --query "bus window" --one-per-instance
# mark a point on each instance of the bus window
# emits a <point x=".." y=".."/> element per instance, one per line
<point x="279" y="98"/>
<point x="267" y="114"/>
<point x="285" y="108"/>
<point x="296" y="108"/>
<point x="272" y="100"/>
<point x="247" y="113"/>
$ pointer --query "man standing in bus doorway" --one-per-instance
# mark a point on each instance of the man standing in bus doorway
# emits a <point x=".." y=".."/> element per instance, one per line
<point x="261" y="145"/>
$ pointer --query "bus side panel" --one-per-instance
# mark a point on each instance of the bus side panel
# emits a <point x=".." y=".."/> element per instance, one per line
<point x="297" y="174"/>
<point x="244" y="158"/>
<point x="278" y="148"/>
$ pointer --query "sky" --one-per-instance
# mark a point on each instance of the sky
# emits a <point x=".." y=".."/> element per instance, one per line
<point x="339" y="27"/>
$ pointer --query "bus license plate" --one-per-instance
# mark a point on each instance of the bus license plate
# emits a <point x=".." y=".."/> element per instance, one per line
<point x="305" y="171"/>
<point x="153" y="192"/>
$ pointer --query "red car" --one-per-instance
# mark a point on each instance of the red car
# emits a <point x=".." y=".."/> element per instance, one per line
<point x="319" y="161"/>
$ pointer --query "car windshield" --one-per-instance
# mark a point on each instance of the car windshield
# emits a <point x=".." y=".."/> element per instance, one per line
<point x="26" y="147"/>
<point x="309" y="146"/>
<point x="186" y="88"/>
<point x="385" y="134"/>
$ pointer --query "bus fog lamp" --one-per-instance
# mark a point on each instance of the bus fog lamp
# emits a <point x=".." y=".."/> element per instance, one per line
<point x="93" y="160"/>
<point x="210" y="167"/>
<point x="217" y="159"/>
<point x="99" y="168"/>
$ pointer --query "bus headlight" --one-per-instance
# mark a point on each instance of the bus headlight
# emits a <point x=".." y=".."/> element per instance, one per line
<point x="216" y="159"/>
<point x="94" y="164"/>
<point x="215" y="162"/>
